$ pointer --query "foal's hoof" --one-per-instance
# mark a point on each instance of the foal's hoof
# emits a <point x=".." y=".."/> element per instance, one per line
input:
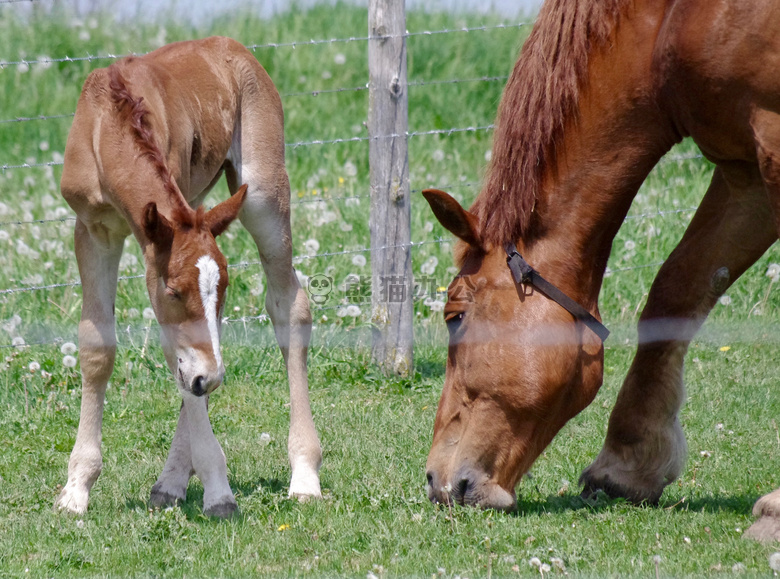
<point x="767" y="528"/>
<point x="160" y="498"/>
<point x="764" y="530"/>
<point x="223" y="510"/>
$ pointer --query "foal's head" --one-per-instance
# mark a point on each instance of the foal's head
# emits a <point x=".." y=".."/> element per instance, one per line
<point x="186" y="276"/>
<point x="518" y="368"/>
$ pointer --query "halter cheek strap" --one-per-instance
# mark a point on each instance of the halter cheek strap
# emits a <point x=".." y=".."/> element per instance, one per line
<point x="523" y="273"/>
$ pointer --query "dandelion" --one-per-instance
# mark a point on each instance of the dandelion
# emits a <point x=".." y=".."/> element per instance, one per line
<point x="344" y="226"/>
<point x="629" y="245"/>
<point x="774" y="562"/>
<point x="724" y="348"/>
<point x="4" y="235"/>
<point x="18" y="342"/>
<point x="133" y="313"/>
<point x="84" y="35"/>
<point x="558" y="564"/>
<point x="773" y="272"/>
<point x="283" y="527"/>
<point x="326" y="74"/>
<point x="359" y="260"/>
<point x="340" y="59"/>
<point x="34" y="367"/>
<point x="4" y="210"/>
<point x="80" y="524"/>
<point x="704" y="454"/>
<point x="535" y="562"/>
<point x="545" y="568"/>
<point x="311" y="246"/>
<point x="488" y="155"/>
<point x="265" y="439"/>
<point x="149" y="314"/>
<point x="350" y="169"/>
<point x="438" y="155"/>
<point x="69" y="361"/>
<point x="738" y="568"/>
<point x="43" y="145"/>
<point x="724" y="300"/>
<point x="353" y="311"/>
<point x="429" y="267"/>
<point x="428" y="227"/>
<point x="719" y="426"/>
<point x="68" y="348"/>
<point x="22" y="68"/>
<point x="341" y="312"/>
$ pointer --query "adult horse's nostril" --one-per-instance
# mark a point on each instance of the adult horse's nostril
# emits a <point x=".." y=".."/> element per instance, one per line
<point x="460" y="489"/>
<point x="198" y="386"/>
<point x="429" y="476"/>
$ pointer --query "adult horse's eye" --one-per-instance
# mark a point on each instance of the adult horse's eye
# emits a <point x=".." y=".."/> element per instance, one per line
<point x="453" y="320"/>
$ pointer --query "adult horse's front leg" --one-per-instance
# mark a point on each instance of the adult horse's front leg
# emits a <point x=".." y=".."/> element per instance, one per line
<point x="266" y="216"/>
<point x="645" y="446"/>
<point x="98" y="253"/>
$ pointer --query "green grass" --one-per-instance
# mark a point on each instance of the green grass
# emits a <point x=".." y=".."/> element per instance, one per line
<point x="375" y="431"/>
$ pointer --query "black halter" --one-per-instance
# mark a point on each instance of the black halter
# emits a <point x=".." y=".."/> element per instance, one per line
<point x="525" y="274"/>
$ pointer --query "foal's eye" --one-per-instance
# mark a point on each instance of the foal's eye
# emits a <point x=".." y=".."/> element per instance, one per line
<point x="172" y="293"/>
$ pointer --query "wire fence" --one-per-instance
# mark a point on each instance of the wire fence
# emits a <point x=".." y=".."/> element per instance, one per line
<point x="476" y="80"/>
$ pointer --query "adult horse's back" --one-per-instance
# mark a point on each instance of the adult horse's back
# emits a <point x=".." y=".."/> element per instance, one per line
<point x="602" y="89"/>
<point x="150" y="138"/>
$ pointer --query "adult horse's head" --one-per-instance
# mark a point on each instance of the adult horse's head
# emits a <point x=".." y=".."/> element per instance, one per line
<point x="186" y="276"/>
<point x="519" y="366"/>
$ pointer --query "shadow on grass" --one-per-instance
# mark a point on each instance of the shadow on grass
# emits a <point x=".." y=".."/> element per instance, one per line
<point x="738" y="504"/>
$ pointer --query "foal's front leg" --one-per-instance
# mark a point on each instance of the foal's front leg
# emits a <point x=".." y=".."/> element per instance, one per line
<point x="98" y="260"/>
<point x="171" y="486"/>
<point x="645" y="446"/>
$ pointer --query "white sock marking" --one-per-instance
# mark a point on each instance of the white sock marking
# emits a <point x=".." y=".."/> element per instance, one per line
<point x="208" y="281"/>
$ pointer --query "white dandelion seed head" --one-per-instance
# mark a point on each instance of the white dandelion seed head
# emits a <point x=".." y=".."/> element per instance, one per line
<point x="429" y="267"/>
<point x="657" y="559"/>
<point x="69" y="361"/>
<point x="84" y="35"/>
<point x="23" y="68"/>
<point x="4" y="235"/>
<point x="341" y="312"/>
<point x="265" y="439"/>
<point x="488" y="155"/>
<point x="738" y="568"/>
<point x="535" y="562"/>
<point x="80" y="524"/>
<point x="545" y="568"/>
<point x="133" y="313"/>
<point x="34" y="367"/>
<point x="43" y="145"/>
<point x="68" y="348"/>
<point x="724" y="300"/>
<point x="340" y="59"/>
<point x="350" y="169"/>
<point x="149" y="314"/>
<point x="353" y="311"/>
<point x="428" y="227"/>
<point x="773" y="271"/>
<point x="774" y="561"/>
<point x="359" y="260"/>
<point x="18" y="342"/>
<point x="345" y="227"/>
<point x="311" y="246"/>
<point x="630" y="245"/>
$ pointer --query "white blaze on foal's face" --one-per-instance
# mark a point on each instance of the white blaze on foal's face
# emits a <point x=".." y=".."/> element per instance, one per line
<point x="208" y="284"/>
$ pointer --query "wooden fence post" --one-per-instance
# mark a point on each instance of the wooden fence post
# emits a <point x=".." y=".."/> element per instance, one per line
<point x="390" y="219"/>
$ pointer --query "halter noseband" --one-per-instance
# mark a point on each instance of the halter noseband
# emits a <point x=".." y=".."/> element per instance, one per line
<point x="523" y="273"/>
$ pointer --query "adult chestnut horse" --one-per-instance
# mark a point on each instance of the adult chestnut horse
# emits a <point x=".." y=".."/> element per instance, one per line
<point x="602" y="89"/>
<point x="150" y="138"/>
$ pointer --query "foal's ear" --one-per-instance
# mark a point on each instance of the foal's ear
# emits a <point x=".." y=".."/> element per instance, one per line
<point x="463" y="224"/>
<point x="218" y="219"/>
<point x="156" y="227"/>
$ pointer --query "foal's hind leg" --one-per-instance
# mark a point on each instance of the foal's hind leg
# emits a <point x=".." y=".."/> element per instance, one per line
<point x="645" y="447"/>
<point x="266" y="214"/>
<point x="98" y="254"/>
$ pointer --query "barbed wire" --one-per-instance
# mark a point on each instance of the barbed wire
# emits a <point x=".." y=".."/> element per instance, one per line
<point x="254" y="47"/>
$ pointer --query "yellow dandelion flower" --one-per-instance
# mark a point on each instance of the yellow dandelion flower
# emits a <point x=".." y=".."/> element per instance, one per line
<point x="283" y="527"/>
<point x="441" y="288"/>
<point x="300" y="194"/>
<point x="724" y="348"/>
<point x="341" y="180"/>
<point x="315" y="192"/>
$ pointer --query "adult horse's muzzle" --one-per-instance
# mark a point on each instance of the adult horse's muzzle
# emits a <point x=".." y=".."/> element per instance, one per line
<point x="470" y="486"/>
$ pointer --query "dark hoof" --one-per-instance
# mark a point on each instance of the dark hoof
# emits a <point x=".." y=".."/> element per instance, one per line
<point x="159" y="498"/>
<point x="764" y="530"/>
<point x="593" y="487"/>
<point x="222" y="510"/>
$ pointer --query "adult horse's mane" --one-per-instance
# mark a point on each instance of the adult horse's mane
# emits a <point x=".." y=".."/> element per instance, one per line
<point x="540" y="98"/>
<point x="136" y="115"/>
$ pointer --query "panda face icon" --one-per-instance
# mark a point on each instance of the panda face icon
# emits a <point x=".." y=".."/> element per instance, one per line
<point x="320" y="286"/>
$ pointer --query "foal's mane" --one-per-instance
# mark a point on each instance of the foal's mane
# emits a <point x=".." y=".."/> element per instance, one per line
<point x="540" y="99"/>
<point x="137" y="115"/>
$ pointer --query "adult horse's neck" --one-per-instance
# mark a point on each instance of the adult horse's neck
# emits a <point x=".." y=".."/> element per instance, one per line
<point x="567" y="207"/>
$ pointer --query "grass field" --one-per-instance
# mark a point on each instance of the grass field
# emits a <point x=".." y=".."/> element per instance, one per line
<point x="375" y="431"/>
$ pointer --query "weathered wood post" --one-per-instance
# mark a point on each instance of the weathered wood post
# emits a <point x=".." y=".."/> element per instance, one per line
<point x="390" y="219"/>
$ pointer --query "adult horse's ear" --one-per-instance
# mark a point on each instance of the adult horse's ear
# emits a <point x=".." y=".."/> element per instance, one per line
<point x="218" y="219"/>
<point x="463" y="224"/>
<point x="156" y="227"/>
